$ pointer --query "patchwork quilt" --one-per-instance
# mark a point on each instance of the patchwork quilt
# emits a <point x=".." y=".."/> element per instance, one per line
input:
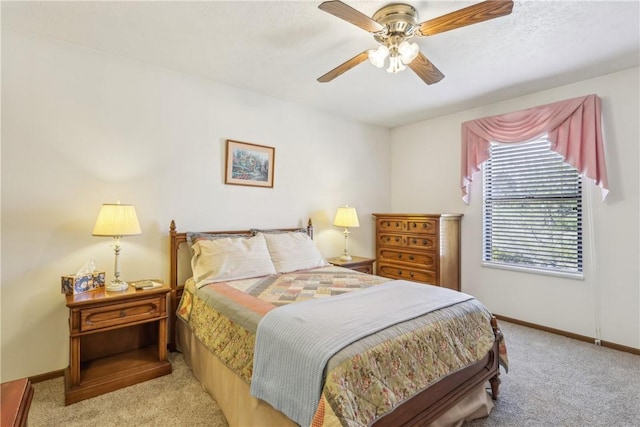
<point x="311" y="284"/>
<point x="366" y="379"/>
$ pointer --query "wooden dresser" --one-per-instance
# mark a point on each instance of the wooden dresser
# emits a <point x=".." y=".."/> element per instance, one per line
<point x="419" y="247"/>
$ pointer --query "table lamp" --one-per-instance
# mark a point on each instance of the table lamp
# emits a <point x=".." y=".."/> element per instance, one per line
<point x="116" y="220"/>
<point x="346" y="217"/>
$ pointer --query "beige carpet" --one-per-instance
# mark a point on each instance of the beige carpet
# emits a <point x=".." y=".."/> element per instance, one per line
<point x="172" y="400"/>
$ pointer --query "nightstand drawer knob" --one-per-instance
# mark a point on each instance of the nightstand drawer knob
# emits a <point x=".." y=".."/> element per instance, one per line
<point x="123" y="313"/>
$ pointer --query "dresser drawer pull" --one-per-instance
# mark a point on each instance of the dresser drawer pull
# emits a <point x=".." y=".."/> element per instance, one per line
<point x="411" y="257"/>
<point x="397" y="224"/>
<point x="413" y="224"/>
<point x="399" y="272"/>
<point x="415" y="241"/>
<point x="123" y="313"/>
<point x="397" y="239"/>
<point x="399" y="256"/>
<point x="424" y="242"/>
<point x="411" y="274"/>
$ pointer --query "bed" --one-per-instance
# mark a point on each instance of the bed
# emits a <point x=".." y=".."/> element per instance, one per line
<point x="425" y="368"/>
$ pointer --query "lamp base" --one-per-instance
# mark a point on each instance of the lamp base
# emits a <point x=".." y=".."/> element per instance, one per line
<point x="116" y="286"/>
<point x="346" y="257"/>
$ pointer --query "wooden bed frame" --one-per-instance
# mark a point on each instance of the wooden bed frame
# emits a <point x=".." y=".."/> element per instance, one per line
<point x="422" y="409"/>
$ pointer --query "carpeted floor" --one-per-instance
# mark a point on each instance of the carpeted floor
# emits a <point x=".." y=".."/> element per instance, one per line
<point x="553" y="381"/>
<point x="173" y="400"/>
<point x="556" y="381"/>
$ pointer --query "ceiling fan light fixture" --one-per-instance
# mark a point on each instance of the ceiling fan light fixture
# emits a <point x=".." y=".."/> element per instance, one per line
<point x="408" y="51"/>
<point x="395" y="64"/>
<point x="394" y="24"/>
<point x="377" y="57"/>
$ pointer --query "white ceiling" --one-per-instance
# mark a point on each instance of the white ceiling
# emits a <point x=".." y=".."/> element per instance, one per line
<point x="279" y="48"/>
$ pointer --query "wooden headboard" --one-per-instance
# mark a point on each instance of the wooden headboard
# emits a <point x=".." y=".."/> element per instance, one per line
<point x="177" y="273"/>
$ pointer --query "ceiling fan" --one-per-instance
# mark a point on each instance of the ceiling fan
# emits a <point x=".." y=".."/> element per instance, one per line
<point x="394" y="25"/>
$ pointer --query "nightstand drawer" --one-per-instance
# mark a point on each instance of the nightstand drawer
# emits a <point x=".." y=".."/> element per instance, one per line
<point x="396" y="272"/>
<point x="364" y="268"/>
<point x="118" y="314"/>
<point x="356" y="263"/>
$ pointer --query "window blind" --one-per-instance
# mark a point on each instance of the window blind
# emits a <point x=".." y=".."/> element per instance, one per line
<point x="532" y="209"/>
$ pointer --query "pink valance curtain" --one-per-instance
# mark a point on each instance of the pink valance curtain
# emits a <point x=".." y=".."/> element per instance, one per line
<point x="573" y="126"/>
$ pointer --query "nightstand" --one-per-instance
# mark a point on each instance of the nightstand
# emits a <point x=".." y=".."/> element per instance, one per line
<point x="117" y="339"/>
<point x="361" y="264"/>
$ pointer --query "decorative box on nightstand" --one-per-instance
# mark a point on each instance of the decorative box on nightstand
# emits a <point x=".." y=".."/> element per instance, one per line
<point x="117" y="339"/>
<point x="357" y="263"/>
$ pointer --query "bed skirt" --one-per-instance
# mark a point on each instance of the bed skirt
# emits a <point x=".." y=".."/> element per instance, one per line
<point x="241" y="409"/>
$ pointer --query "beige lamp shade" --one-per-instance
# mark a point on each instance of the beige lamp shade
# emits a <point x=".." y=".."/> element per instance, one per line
<point x="346" y="217"/>
<point x="116" y="220"/>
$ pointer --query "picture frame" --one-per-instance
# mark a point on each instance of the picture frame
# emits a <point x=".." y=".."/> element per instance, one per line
<point x="249" y="164"/>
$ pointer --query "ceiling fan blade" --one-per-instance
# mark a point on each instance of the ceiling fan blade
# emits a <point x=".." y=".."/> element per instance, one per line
<point x="469" y="15"/>
<point x="349" y="14"/>
<point x="346" y="66"/>
<point x="426" y="70"/>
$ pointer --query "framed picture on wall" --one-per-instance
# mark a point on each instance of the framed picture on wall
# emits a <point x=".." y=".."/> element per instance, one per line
<point x="249" y="164"/>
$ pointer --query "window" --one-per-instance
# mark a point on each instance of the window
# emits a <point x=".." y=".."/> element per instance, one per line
<point x="532" y="209"/>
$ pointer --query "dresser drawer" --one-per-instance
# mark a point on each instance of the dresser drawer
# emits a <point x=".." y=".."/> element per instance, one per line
<point x="426" y="242"/>
<point x="391" y="225"/>
<point x="419" y="225"/>
<point x="118" y="314"/>
<point x="424" y="226"/>
<point x="422" y="242"/>
<point x="392" y="240"/>
<point x="398" y="272"/>
<point x="424" y="260"/>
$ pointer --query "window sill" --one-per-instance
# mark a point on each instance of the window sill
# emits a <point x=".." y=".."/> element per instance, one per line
<point x="566" y="275"/>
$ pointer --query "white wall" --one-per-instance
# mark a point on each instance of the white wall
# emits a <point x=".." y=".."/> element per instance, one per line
<point x="81" y="128"/>
<point x="606" y="304"/>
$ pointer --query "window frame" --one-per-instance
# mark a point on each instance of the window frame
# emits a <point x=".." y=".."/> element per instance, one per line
<point x="488" y="243"/>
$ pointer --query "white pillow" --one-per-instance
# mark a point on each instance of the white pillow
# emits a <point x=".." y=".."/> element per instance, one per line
<point x="230" y="258"/>
<point x="293" y="251"/>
